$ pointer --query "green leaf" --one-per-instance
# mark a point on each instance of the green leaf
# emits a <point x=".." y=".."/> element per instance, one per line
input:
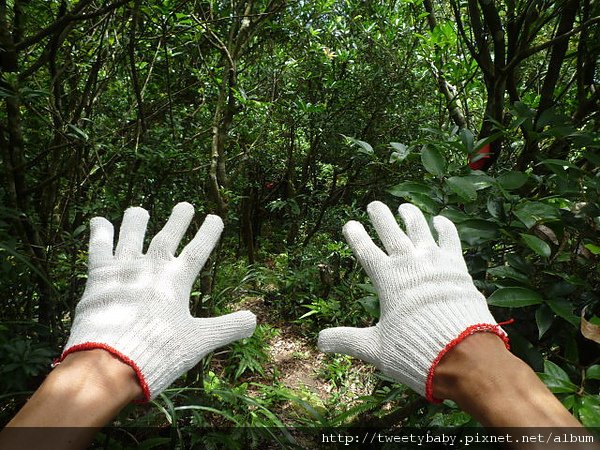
<point x="537" y="245"/>
<point x="543" y="319"/>
<point x="367" y="288"/>
<point x="477" y="231"/>
<point x="363" y="147"/>
<point x="593" y="248"/>
<point x="424" y="202"/>
<point x="401" y="152"/>
<point x="593" y="372"/>
<point x="455" y="215"/>
<point x="556" y="379"/>
<point x="568" y="402"/>
<point x="508" y="272"/>
<point x="409" y="187"/>
<point x="512" y="180"/>
<point x="525" y="350"/>
<point x="563" y="308"/>
<point x="555" y="371"/>
<point x="589" y="411"/>
<point x="462" y="187"/>
<point x="78" y="132"/>
<point x="551" y="163"/>
<point x="479" y="180"/>
<point x="467" y="138"/>
<point x="371" y="305"/>
<point x="312" y="312"/>
<point x="495" y="207"/>
<point x="530" y="212"/>
<point x="433" y="161"/>
<point x="518" y="263"/>
<point x="514" y="297"/>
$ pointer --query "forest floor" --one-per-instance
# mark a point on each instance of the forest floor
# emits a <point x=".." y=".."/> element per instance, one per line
<point x="299" y="366"/>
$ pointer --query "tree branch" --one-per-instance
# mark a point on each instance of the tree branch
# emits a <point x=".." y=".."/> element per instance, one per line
<point x="65" y="20"/>
<point x="538" y="48"/>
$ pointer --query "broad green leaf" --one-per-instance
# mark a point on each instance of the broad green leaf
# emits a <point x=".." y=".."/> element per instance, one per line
<point x="593" y="372"/>
<point x="462" y="187"/>
<point x="569" y="401"/>
<point x="514" y="297"/>
<point x="467" y="138"/>
<point x="409" y="187"/>
<point x="518" y="263"/>
<point x="425" y="203"/>
<point x="433" y="161"/>
<point x="363" y="147"/>
<point x="537" y="245"/>
<point x="555" y="371"/>
<point x="371" y="305"/>
<point x="525" y="350"/>
<point x="530" y="212"/>
<point x="495" y="207"/>
<point x="477" y="231"/>
<point x="455" y="215"/>
<point x="556" y="379"/>
<point x="589" y="411"/>
<point x="508" y="272"/>
<point x="367" y="288"/>
<point x="551" y="163"/>
<point x="563" y="308"/>
<point x="479" y="180"/>
<point x="595" y="249"/>
<point x="543" y="319"/>
<point x="512" y="180"/>
<point x="401" y="152"/>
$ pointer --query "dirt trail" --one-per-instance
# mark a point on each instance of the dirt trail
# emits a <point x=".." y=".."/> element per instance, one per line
<point x="298" y="361"/>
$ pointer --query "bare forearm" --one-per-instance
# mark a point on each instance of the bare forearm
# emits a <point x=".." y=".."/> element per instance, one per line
<point x="498" y="389"/>
<point x="82" y="394"/>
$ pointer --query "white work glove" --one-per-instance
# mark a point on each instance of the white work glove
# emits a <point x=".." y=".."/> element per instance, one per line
<point x="427" y="298"/>
<point x="136" y="305"/>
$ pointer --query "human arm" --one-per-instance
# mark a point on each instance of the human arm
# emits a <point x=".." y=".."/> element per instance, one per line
<point x="436" y="333"/>
<point x="496" y="387"/>
<point x="132" y="323"/>
<point x="77" y="398"/>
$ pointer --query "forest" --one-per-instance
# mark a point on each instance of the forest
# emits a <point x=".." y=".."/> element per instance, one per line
<point x="286" y="118"/>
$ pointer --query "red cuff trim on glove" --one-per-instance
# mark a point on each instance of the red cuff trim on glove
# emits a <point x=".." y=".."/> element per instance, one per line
<point x="485" y="327"/>
<point x="117" y="354"/>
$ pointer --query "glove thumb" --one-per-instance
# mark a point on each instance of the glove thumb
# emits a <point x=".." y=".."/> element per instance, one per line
<point x="212" y="333"/>
<point x="362" y="343"/>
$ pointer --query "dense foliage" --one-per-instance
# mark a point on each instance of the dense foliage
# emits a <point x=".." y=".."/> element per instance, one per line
<point x="287" y="118"/>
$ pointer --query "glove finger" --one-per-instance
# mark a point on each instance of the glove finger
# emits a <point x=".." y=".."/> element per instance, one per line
<point x="101" y="241"/>
<point x="131" y="235"/>
<point x="417" y="228"/>
<point x="362" y="245"/>
<point x="168" y="239"/>
<point x="448" y="238"/>
<point x="198" y="250"/>
<point x="392" y="237"/>
<point x="362" y="343"/>
<point x="215" y="332"/>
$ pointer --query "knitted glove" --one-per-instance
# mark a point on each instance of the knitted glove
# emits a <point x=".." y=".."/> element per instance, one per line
<point x="427" y="298"/>
<point x="136" y="306"/>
